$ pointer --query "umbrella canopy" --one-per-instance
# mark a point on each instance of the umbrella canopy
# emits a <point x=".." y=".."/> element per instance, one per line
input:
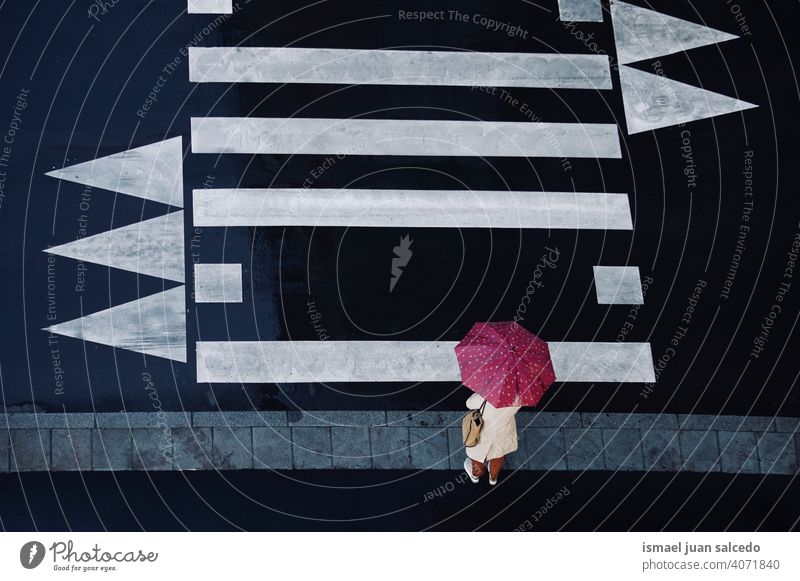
<point x="505" y="363"/>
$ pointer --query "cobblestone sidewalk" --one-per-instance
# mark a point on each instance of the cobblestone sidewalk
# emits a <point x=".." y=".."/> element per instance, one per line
<point x="391" y="440"/>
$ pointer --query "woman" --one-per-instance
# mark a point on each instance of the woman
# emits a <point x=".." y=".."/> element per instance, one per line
<point x="498" y="438"/>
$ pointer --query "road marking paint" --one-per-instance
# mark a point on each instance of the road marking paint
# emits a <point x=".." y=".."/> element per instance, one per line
<point x="580" y="10"/>
<point x="154" y="325"/>
<point x="152" y="247"/>
<point x="653" y="101"/>
<point x="403" y="137"/>
<point x="210" y="7"/>
<point x="410" y="208"/>
<point x="618" y="285"/>
<point x="217" y="283"/>
<point x="387" y="361"/>
<point x="398" y="67"/>
<point x="151" y="172"/>
<point x="641" y="34"/>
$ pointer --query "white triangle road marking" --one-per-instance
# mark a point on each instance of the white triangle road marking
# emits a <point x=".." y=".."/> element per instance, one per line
<point x="153" y="325"/>
<point x="152" y="172"/>
<point x="153" y="247"/>
<point x="642" y="34"/>
<point x="653" y="101"/>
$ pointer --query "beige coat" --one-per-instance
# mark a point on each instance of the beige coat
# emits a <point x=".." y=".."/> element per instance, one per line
<point x="499" y="432"/>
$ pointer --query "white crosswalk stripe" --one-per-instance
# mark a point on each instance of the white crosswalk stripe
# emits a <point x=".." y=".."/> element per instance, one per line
<point x="360" y="361"/>
<point x="410" y="208"/>
<point x="331" y="361"/>
<point x="313" y="136"/>
<point x="398" y="67"/>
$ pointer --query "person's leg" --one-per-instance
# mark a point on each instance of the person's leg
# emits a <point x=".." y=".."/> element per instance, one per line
<point x="495" y="464"/>
<point x="478" y="469"/>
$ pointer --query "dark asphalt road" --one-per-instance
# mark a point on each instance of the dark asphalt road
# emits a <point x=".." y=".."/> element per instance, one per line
<point x="87" y="80"/>
<point x="84" y="81"/>
<point x="357" y="500"/>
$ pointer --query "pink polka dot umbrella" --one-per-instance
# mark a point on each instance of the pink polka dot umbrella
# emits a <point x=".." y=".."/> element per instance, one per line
<point x="505" y="363"/>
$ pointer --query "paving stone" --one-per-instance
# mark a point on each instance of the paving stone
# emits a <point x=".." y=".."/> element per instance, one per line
<point x="111" y="449"/>
<point x="797" y="448"/>
<point x="272" y="448"/>
<point x="516" y="460"/>
<point x="429" y="448"/>
<point x="152" y="449"/>
<point x="727" y="423"/>
<point x="425" y="419"/>
<point x="545" y="449"/>
<point x="699" y="450"/>
<point x="630" y="421"/>
<point x="661" y="450"/>
<point x="390" y="447"/>
<point x="71" y="449"/>
<point x="739" y="452"/>
<point x="700" y="421"/>
<point x="623" y="449"/>
<point x="339" y="418"/>
<point x="776" y="453"/>
<point x="233" y="448"/>
<point x="456" y="447"/>
<point x="143" y="419"/>
<point x="524" y="419"/>
<point x="783" y="424"/>
<point x="3" y="450"/>
<point x="239" y="419"/>
<point x="548" y="420"/>
<point x="754" y="423"/>
<point x="192" y="448"/>
<point x="584" y="449"/>
<point x="50" y="420"/>
<point x="30" y="450"/>
<point x="351" y="447"/>
<point x="655" y="422"/>
<point x="312" y="448"/>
